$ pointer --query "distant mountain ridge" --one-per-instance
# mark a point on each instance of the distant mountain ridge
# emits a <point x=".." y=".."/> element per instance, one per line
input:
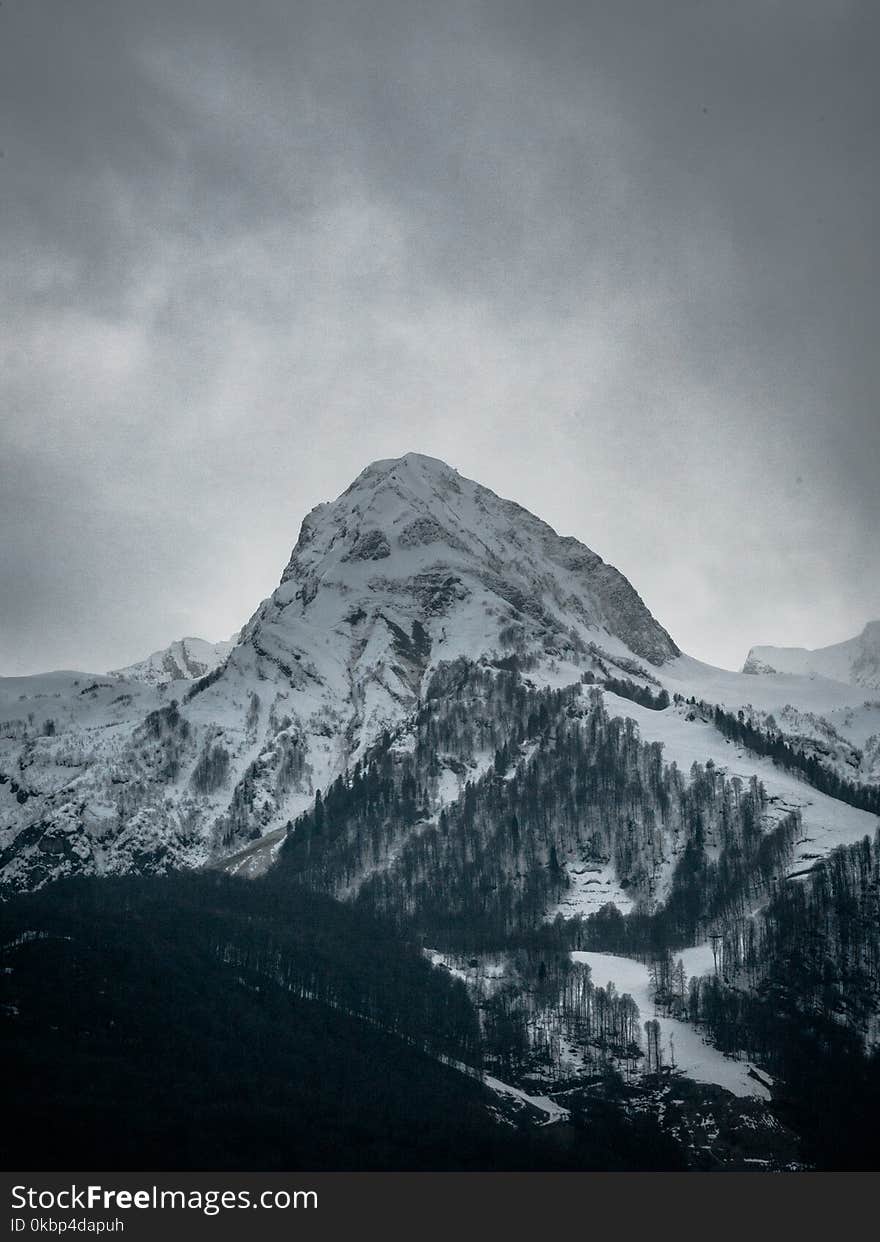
<point x="855" y="661"/>
<point x="185" y="659"/>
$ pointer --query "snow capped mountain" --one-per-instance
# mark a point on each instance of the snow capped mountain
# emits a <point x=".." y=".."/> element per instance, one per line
<point x="856" y="661"/>
<point x="413" y="537"/>
<point x="187" y="658"/>
<point x="208" y="751"/>
<point x="410" y="569"/>
<point x="414" y="565"/>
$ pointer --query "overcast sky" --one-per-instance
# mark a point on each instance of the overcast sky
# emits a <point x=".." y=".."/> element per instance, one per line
<point x="617" y="260"/>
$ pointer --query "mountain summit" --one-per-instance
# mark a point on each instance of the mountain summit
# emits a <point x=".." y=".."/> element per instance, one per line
<point x="413" y="567"/>
<point x="418" y="543"/>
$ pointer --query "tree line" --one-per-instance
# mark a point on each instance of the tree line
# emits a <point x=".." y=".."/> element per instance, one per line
<point x="774" y="745"/>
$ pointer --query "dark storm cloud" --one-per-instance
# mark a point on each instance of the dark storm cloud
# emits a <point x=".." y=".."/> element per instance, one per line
<point x="615" y="260"/>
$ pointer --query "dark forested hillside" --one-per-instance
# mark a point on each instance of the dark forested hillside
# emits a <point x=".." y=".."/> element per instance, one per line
<point x="267" y="1023"/>
<point x="798" y="992"/>
<point x="799" y="989"/>
<point x="193" y="1021"/>
<point x="566" y="781"/>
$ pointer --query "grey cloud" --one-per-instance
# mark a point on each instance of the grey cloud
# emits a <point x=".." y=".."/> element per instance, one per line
<point x="615" y="260"/>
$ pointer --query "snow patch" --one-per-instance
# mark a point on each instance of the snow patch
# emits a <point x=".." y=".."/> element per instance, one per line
<point x="681" y="1044"/>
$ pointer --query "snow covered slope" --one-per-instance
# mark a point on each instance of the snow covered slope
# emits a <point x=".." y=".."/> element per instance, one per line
<point x="834" y="720"/>
<point x="680" y="1043"/>
<point x="187" y="658"/>
<point x="856" y="661"/>
<point x="688" y="739"/>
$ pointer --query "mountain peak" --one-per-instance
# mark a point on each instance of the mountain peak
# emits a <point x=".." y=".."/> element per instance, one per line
<point x="413" y="463"/>
<point x="412" y="474"/>
<point x="413" y="539"/>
